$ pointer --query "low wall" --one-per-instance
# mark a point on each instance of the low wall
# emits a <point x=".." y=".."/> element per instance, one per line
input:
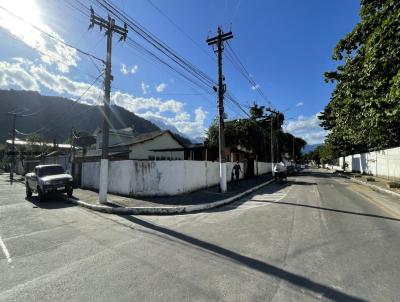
<point x="157" y="178"/>
<point x="383" y="163"/>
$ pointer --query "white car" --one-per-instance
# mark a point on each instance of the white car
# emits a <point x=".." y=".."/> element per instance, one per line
<point x="48" y="179"/>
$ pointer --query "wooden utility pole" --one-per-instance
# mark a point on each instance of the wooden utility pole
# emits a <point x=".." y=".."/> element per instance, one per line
<point x="219" y="41"/>
<point x="110" y="27"/>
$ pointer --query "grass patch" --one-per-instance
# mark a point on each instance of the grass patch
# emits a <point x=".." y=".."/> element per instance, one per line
<point x="357" y="175"/>
<point x="393" y="185"/>
<point x="370" y="178"/>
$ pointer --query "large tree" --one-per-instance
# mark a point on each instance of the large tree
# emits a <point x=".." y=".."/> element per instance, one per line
<point x="254" y="133"/>
<point x="364" y="110"/>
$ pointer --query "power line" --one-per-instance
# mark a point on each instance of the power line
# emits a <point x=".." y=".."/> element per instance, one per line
<point x="181" y="29"/>
<point x="51" y="36"/>
<point x="46" y="128"/>
<point x="47" y="54"/>
<point x="234" y="58"/>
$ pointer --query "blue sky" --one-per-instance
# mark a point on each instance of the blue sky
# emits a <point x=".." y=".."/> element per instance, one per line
<point x="285" y="45"/>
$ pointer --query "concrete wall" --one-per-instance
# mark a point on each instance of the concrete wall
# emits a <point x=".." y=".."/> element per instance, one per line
<point x="262" y="168"/>
<point x="383" y="163"/>
<point x="157" y="178"/>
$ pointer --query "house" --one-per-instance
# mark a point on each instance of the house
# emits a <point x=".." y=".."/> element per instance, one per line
<point x="126" y="144"/>
<point x="158" y="145"/>
<point x="115" y="136"/>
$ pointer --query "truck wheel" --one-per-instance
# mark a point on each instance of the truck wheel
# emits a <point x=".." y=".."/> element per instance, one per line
<point x="69" y="192"/>
<point x="28" y="191"/>
<point x="40" y="195"/>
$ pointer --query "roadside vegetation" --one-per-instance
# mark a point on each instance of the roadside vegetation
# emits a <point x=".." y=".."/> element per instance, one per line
<point x="364" y="111"/>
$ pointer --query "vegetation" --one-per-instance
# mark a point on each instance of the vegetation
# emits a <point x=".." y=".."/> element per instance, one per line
<point x="323" y="154"/>
<point x="364" y="111"/>
<point x="55" y="116"/>
<point x="393" y="185"/>
<point x="254" y="134"/>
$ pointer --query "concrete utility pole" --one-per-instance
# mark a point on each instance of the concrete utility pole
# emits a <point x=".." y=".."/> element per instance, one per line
<point x="218" y="40"/>
<point x="110" y="27"/>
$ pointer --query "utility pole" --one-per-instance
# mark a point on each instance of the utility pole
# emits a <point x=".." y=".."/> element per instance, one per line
<point x="219" y="41"/>
<point x="293" y="149"/>
<point x="272" y="145"/>
<point x="110" y="27"/>
<point x="12" y="168"/>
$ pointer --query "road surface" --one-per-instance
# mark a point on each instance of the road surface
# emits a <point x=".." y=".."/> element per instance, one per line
<point x="318" y="237"/>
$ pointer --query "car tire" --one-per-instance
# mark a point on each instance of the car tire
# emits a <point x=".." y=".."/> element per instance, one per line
<point x="41" y="195"/>
<point x="69" y="192"/>
<point x="28" y="191"/>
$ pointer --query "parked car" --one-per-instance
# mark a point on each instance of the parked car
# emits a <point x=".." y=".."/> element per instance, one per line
<point x="48" y="179"/>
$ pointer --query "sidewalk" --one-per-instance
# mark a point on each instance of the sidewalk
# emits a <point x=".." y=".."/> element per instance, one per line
<point x="201" y="197"/>
<point x="379" y="183"/>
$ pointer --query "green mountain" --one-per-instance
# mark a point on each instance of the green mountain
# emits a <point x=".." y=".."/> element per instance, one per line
<point x="53" y="117"/>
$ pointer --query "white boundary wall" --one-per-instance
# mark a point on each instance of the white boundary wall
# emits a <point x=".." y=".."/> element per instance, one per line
<point x="383" y="163"/>
<point x="157" y="178"/>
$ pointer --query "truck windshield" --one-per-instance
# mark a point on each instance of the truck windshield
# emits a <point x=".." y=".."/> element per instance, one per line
<point x="50" y="170"/>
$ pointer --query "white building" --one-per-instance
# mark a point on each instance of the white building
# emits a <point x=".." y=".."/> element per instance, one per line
<point x="152" y="145"/>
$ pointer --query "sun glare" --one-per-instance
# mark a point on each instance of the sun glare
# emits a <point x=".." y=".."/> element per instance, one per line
<point x="26" y="10"/>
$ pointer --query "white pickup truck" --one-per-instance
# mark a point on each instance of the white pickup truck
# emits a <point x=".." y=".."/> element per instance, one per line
<point x="48" y="179"/>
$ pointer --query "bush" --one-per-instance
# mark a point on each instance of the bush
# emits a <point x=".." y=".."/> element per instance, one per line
<point x="370" y="179"/>
<point x="393" y="185"/>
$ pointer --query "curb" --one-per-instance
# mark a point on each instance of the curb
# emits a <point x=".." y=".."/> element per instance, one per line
<point x="164" y="210"/>
<point x="375" y="187"/>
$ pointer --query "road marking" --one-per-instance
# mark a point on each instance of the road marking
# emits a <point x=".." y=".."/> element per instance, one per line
<point x="359" y="188"/>
<point x="5" y="250"/>
<point x="321" y="212"/>
<point x="257" y="201"/>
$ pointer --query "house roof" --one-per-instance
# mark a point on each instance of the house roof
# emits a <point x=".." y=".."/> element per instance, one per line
<point x="128" y="131"/>
<point x="97" y="153"/>
<point x="188" y="147"/>
<point x="140" y="138"/>
<point x="22" y="142"/>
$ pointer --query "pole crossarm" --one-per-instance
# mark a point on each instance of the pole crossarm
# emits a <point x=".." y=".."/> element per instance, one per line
<point x="223" y="37"/>
<point x="108" y="25"/>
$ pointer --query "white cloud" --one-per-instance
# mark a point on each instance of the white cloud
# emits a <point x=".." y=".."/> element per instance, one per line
<point x="161" y="87"/>
<point x="126" y="70"/>
<point x="24" y="74"/>
<point x="13" y="75"/>
<point x="307" y="128"/>
<point x="157" y="109"/>
<point x="145" y="88"/>
<point x="134" y="69"/>
<point x="299" y="104"/>
<point x="123" y="69"/>
<point x="28" y="75"/>
<point x="50" y="50"/>
<point x="255" y="87"/>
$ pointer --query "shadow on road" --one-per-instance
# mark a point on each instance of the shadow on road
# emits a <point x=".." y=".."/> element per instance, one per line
<point x="328" y="209"/>
<point x="50" y="203"/>
<point x="263" y="267"/>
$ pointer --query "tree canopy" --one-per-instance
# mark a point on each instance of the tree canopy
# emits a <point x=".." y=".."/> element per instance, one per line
<point x="254" y="133"/>
<point x="364" y="111"/>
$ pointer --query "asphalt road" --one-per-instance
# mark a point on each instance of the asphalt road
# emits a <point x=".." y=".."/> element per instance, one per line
<point x="319" y="237"/>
